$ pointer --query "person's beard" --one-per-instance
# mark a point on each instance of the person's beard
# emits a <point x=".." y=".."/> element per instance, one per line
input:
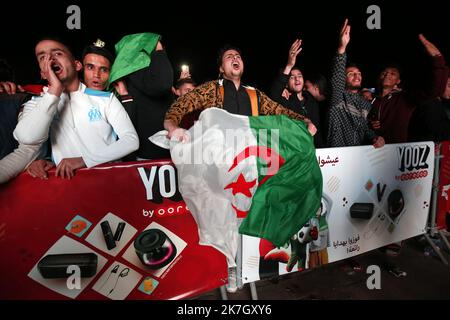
<point x="351" y="87"/>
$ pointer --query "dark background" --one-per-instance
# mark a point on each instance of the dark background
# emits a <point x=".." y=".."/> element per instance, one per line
<point x="194" y="31"/>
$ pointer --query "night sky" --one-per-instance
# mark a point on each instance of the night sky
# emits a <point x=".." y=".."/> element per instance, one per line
<point x="263" y="32"/>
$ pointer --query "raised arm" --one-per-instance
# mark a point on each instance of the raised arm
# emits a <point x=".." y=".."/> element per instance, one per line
<point x="279" y="85"/>
<point x="344" y="37"/>
<point x="439" y="69"/>
<point x="294" y="51"/>
<point x="37" y="115"/>
<point x="338" y="68"/>
<point x="156" y="79"/>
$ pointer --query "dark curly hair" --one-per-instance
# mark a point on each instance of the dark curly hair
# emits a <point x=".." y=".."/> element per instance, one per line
<point x="224" y="49"/>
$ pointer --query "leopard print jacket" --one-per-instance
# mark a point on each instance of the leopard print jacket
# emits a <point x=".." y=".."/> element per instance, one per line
<point x="208" y="96"/>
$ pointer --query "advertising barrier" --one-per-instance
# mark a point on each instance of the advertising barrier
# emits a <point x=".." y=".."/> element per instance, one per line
<point x="128" y="230"/>
<point x="443" y="196"/>
<point x="371" y="198"/>
<point x="125" y="227"/>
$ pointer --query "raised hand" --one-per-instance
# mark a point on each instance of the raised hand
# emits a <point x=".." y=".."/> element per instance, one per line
<point x="344" y="37"/>
<point x="185" y="74"/>
<point x="295" y="49"/>
<point x="431" y="48"/>
<point x="55" y="86"/>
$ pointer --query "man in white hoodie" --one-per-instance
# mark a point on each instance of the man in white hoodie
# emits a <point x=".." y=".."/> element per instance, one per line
<point x="83" y="124"/>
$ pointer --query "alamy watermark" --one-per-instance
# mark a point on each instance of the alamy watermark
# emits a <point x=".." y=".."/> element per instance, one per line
<point x="215" y="146"/>
<point x="74" y="20"/>
<point x="374" y="280"/>
<point x="374" y="20"/>
<point x="74" y="280"/>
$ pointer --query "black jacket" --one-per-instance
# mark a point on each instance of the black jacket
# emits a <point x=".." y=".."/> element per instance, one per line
<point x="151" y="90"/>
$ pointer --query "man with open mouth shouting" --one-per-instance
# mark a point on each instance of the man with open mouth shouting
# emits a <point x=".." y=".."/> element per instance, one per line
<point x="83" y="124"/>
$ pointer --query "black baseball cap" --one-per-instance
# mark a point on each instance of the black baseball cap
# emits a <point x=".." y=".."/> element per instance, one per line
<point x="98" y="47"/>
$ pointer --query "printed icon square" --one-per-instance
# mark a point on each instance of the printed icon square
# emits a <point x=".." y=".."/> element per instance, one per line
<point x="78" y="226"/>
<point x="148" y="285"/>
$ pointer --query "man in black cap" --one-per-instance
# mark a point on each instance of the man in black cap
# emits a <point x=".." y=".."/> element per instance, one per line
<point x="97" y="62"/>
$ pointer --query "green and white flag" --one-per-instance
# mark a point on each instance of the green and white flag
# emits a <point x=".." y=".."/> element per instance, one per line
<point x="262" y="169"/>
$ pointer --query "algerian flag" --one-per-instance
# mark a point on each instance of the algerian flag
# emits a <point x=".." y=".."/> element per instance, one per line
<point x="262" y="169"/>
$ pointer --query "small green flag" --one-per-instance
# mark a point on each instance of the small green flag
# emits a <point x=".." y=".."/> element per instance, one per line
<point x="133" y="54"/>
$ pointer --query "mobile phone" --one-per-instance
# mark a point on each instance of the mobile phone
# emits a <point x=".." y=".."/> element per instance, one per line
<point x="185" y="68"/>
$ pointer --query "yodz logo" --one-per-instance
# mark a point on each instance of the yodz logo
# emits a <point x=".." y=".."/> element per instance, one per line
<point x="413" y="157"/>
<point x="160" y="182"/>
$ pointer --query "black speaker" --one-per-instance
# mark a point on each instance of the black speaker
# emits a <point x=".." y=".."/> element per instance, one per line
<point x="154" y="248"/>
<point x="55" y="266"/>
<point x="396" y="203"/>
<point x="362" y="211"/>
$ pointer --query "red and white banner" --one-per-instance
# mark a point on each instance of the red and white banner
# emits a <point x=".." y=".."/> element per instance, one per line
<point x="443" y="205"/>
<point x="42" y="218"/>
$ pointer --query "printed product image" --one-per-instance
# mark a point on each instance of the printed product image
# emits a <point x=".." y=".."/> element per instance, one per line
<point x="55" y="266"/>
<point x="154" y="248"/>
